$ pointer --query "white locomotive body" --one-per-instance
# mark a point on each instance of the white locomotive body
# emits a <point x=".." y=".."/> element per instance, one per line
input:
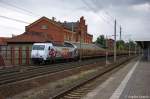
<point x="42" y="52"/>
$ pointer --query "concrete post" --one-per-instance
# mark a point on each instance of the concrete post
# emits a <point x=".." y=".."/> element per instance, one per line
<point x="106" y="51"/>
<point x="115" y="41"/>
<point x="20" y="56"/>
<point x="27" y="56"/>
<point x="148" y="54"/>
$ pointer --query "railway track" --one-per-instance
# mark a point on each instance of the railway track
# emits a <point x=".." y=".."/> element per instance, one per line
<point x="79" y="90"/>
<point x="18" y="74"/>
<point x="13" y="69"/>
<point x="26" y="67"/>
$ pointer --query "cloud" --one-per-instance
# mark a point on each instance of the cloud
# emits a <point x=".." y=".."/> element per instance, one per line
<point x="133" y="15"/>
<point x="142" y="7"/>
<point x="109" y="3"/>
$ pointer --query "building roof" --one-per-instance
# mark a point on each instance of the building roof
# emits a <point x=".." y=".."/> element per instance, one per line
<point x="110" y="40"/>
<point x="45" y="18"/>
<point x="30" y="38"/>
<point x="3" y="40"/>
<point x="144" y="44"/>
<point x="89" y="34"/>
<point x="71" y="25"/>
<point x="87" y="46"/>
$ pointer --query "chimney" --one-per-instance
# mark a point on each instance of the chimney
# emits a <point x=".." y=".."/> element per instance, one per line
<point x="13" y="35"/>
<point x="26" y="28"/>
<point x="65" y="22"/>
<point x="53" y="19"/>
<point x="82" y="18"/>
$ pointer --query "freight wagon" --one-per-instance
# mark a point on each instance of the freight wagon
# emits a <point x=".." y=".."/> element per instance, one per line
<point x="46" y="52"/>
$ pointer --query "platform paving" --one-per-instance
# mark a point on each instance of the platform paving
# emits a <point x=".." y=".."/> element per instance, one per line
<point x="130" y="82"/>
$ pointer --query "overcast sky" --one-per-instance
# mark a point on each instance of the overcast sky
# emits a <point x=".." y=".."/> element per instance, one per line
<point x="132" y="15"/>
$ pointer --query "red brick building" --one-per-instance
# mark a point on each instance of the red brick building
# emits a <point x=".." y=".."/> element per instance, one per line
<point x="110" y="43"/>
<point x="45" y="29"/>
<point x="74" y="30"/>
<point x="16" y="50"/>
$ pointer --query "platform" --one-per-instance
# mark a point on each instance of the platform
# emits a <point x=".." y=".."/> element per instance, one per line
<point x="130" y="82"/>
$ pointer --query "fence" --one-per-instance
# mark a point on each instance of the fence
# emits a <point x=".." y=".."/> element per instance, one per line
<point x="15" y="56"/>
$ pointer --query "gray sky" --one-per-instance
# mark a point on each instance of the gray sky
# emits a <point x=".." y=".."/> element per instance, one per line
<point x="132" y="15"/>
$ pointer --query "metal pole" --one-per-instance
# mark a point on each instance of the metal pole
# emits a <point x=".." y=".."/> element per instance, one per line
<point x="135" y="49"/>
<point x="142" y="52"/>
<point x="139" y="51"/>
<point x="115" y="41"/>
<point x="80" y="48"/>
<point x="120" y="32"/>
<point x="129" y="48"/>
<point x="106" y="51"/>
<point x="148" y="54"/>
<point x="120" y="38"/>
<point x="72" y="31"/>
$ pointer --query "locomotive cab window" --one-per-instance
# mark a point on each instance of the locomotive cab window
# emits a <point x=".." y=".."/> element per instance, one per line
<point x="38" y="47"/>
<point x="68" y="45"/>
<point x="49" y="48"/>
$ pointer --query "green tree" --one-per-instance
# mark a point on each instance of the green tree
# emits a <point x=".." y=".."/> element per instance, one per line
<point x="101" y="40"/>
<point x="120" y="44"/>
<point x="132" y="45"/>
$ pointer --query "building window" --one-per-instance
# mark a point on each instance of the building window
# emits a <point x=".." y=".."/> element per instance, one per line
<point x="69" y="38"/>
<point x="0" y="49"/>
<point x="44" y="27"/>
<point x="65" y="37"/>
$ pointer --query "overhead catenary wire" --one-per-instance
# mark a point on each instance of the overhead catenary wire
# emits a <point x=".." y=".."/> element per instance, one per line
<point x="94" y="10"/>
<point x="113" y="19"/>
<point x="10" y="27"/>
<point x="106" y="13"/>
<point x="14" y="10"/>
<point x="20" y="8"/>
<point x="17" y="9"/>
<point x="13" y="19"/>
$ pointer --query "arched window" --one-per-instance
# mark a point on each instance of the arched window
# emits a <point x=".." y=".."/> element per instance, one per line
<point x="44" y="26"/>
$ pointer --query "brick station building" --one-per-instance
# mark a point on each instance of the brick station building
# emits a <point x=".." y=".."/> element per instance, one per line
<point x="16" y="50"/>
<point x="45" y="29"/>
